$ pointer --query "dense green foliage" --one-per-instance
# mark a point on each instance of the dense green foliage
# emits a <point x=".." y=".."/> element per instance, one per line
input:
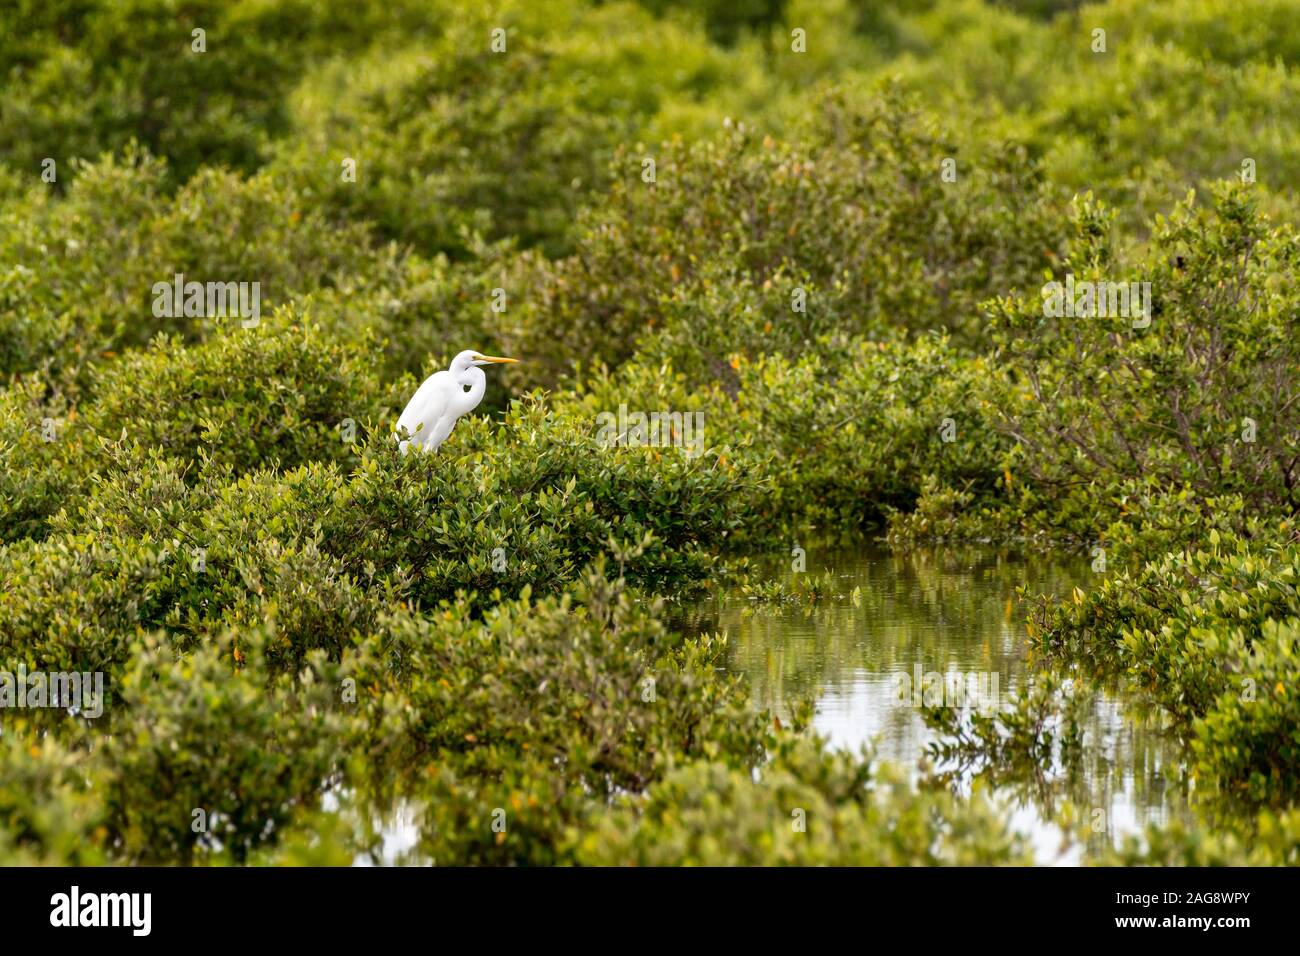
<point x="836" y="255"/>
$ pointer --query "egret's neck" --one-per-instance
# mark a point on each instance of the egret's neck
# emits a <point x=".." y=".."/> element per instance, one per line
<point x="477" y="382"/>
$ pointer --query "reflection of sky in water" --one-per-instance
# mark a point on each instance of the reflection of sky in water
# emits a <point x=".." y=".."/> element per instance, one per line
<point x="946" y="612"/>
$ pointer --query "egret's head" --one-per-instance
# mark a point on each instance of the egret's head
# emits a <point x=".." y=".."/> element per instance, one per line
<point x="470" y="357"/>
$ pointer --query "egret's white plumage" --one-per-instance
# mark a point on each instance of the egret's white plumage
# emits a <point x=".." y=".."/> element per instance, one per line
<point x="444" y="397"/>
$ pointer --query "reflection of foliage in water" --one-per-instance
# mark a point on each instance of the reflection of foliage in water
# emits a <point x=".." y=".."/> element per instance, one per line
<point x="858" y="616"/>
<point x="936" y="608"/>
<point x="1064" y="745"/>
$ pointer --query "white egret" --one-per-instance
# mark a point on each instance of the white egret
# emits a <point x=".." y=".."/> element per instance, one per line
<point x="444" y="397"/>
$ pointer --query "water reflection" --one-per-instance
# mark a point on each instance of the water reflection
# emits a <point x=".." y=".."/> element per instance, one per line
<point x="939" y="611"/>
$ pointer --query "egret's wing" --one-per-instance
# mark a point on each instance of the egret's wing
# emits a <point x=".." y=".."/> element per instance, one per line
<point x="439" y="432"/>
<point x="426" y="407"/>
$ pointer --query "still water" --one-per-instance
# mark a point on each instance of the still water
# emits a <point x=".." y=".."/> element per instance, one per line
<point x="941" y="611"/>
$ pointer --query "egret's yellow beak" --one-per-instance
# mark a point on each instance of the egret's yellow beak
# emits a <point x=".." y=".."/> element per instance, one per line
<point x="497" y="359"/>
